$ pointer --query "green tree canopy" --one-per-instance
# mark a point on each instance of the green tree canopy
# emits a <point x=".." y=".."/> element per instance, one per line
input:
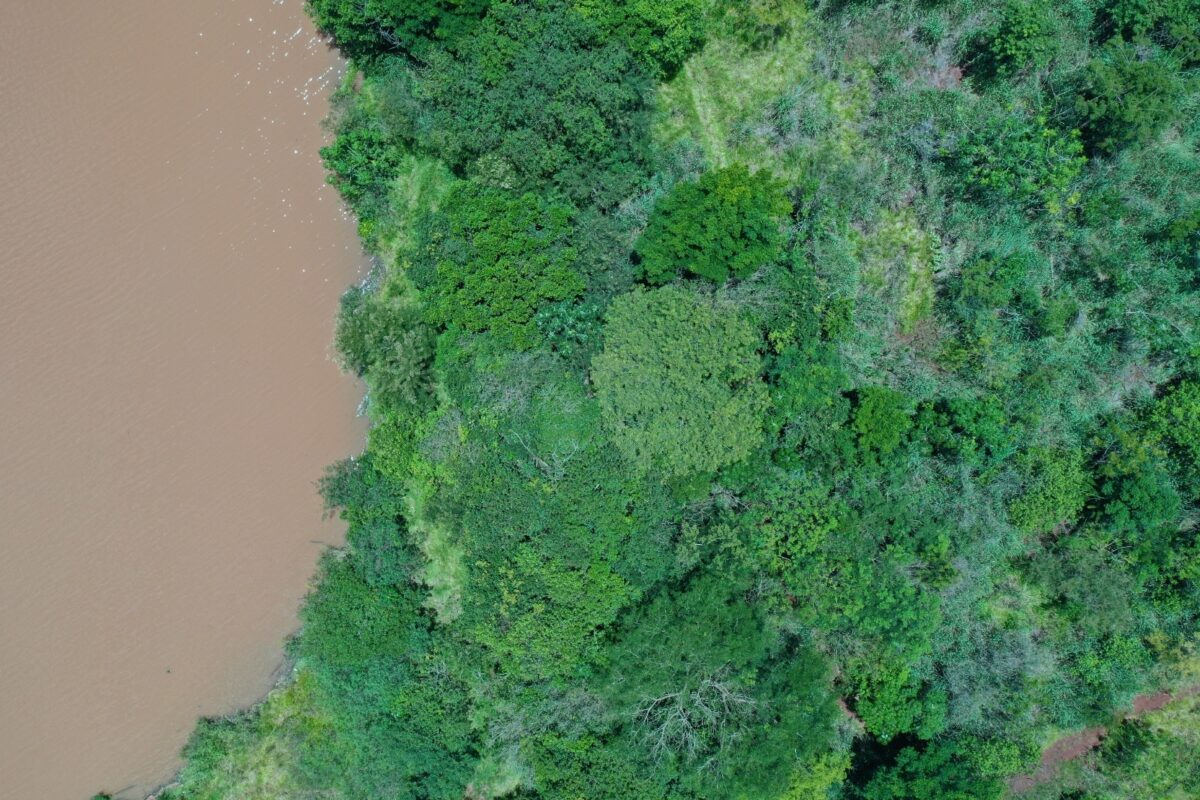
<point x="678" y="382"/>
<point x="490" y="259"/>
<point x="728" y="223"/>
<point x="540" y="89"/>
<point x="661" y="33"/>
<point x="364" y="29"/>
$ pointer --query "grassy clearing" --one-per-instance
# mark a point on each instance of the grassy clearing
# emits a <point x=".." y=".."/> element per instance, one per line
<point x="445" y="568"/>
<point x="417" y="189"/>
<point x="767" y="107"/>
<point x="728" y="82"/>
<point x="902" y="255"/>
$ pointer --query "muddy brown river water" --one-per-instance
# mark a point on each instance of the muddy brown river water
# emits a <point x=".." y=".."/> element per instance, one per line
<point x="170" y="264"/>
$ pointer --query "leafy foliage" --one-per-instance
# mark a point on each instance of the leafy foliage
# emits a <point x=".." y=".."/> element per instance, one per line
<point x="936" y="771"/>
<point x="1057" y="486"/>
<point x="1173" y="23"/>
<point x="1176" y="419"/>
<point x="726" y="224"/>
<point x="1026" y="36"/>
<point x="678" y="382"/>
<point x="1021" y="161"/>
<point x="537" y="88"/>
<point x="365" y="29"/>
<point x="383" y="338"/>
<point x="881" y="419"/>
<point x="489" y="261"/>
<point x="1128" y="99"/>
<point x="361" y="162"/>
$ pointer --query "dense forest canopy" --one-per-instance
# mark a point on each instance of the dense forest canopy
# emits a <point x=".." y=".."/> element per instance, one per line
<point x="770" y="400"/>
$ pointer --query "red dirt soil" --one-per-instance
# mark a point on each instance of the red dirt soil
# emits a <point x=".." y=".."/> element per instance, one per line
<point x="1145" y="703"/>
<point x="1072" y="747"/>
<point x="1065" y="749"/>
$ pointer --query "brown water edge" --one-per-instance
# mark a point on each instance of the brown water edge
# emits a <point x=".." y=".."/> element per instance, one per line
<point x="170" y="266"/>
<point x="1078" y="744"/>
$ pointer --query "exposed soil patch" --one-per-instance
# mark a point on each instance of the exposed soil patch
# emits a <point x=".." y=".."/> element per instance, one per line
<point x="1066" y="749"/>
<point x="1072" y="747"/>
<point x="1145" y="703"/>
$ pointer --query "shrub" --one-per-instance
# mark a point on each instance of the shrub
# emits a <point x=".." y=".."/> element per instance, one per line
<point x="383" y="339"/>
<point x="1026" y="37"/>
<point x="1056" y="488"/>
<point x="1129" y="97"/>
<point x="361" y="163"/>
<point x="1176" y="420"/>
<point x="882" y="418"/>
<point x="1014" y="159"/>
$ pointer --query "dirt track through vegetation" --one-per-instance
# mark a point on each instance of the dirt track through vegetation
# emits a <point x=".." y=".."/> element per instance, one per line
<point x="1079" y="744"/>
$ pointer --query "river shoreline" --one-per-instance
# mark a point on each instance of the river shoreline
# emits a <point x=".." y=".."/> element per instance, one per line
<point x="173" y="262"/>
